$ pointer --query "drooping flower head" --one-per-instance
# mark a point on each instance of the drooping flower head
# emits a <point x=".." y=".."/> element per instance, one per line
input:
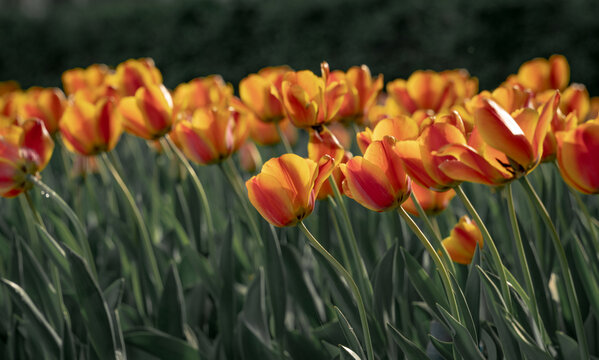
<point x="462" y="241"/>
<point x="133" y="74"/>
<point x="578" y="156"/>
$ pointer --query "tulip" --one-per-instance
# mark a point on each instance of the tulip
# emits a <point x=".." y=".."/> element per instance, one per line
<point x="264" y="133"/>
<point x="249" y="157"/>
<point x="432" y="202"/>
<point x="558" y="123"/>
<point x="8" y="87"/>
<point x="325" y="143"/>
<point x="211" y="135"/>
<point x="362" y="91"/>
<point x="24" y="150"/>
<point x="462" y="241"/>
<point x="309" y="100"/>
<point x="89" y="129"/>
<point x="400" y="127"/>
<point x="578" y="156"/>
<point x="46" y="104"/>
<point x="203" y="92"/>
<point x="541" y="74"/>
<point x="575" y="99"/>
<point x="134" y="74"/>
<point x="148" y="114"/>
<point x="284" y="192"/>
<point x="377" y="180"/>
<point x="92" y="81"/>
<point x="260" y="92"/>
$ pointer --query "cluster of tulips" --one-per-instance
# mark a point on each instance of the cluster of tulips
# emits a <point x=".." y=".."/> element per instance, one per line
<point x="419" y="141"/>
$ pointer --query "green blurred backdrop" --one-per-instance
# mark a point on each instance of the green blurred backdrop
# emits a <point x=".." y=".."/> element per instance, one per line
<point x="233" y="38"/>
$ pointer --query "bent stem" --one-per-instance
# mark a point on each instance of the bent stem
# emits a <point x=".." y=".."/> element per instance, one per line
<point x="197" y="183"/>
<point x="284" y="139"/>
<point x="436" y="259"/>
<point x="491" y="244"/>
<point x="357" y="263"/>
<point x="563" y="263"/>
<point x="82" y="234"/>
<point x="146" y="243"/>
<point x="524" y="263"/>
<point x="352" y="284"/>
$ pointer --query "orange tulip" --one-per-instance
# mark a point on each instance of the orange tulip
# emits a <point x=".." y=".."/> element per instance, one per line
<point x="284" y="192"/>
<point x="260" y="92"/>
<point x="89" y="129"/>
<point x="362" y="91"/>
<point x="541" y="74"/>
<point x="24" y="150"/>
<point x="134" y="74"/>
<point x="46" y="104"/>
<point x="462" y="241"/>
<point x="92" y="81"/>
<point x="249" y="157"/>
<point x="8" y="87"/>
<point x="310" y="100"/>
<point x="211" y="135"/>
<point x="432" y="202"/>
<point x="203" y="92"/>
<point x="558" y="123"/>
<point x="324" y="143"/>
<point x="148" y="114"/>
<point x="575" y="99"/>
<point x="377" y="180"/>
<point x="578" y="156"/>
<point x="400" y="127"/>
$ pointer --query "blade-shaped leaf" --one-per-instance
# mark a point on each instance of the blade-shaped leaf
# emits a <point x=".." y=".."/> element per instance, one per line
<point x="171" y="310"/>
<point x="350" y="335"/>
<point x="411" y="350"/>
<point x="160" y="345"/>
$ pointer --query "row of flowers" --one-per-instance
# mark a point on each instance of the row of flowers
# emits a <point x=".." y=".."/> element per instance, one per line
<point x="425" y="135"/>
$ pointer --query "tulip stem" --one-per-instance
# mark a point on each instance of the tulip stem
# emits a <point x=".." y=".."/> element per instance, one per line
<point x="352" y="284"/>
<point x="589" y="220"/>
<point x="563" y="262"/>
<point x="146" y="242"/>
<point x="82" y="235"/>
<point x="331" y="207"/>
<point x="524" y="262"/>
<point x="491" y="245"/>
<point x="431" y="229"/>
<point x="358" y="263"/>
<point x="436" y="259"/>
<point x="284" y="139"/>
<point x="197" y="183"/>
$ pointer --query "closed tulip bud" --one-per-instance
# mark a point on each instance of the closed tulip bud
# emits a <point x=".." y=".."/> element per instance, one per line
<point x="211" y="135"/>
<point x="46" y="104"/>
<point x="260" y="93"/>
<point x="249" y="157"/>
<point x="89" y="129"/>
<point x="432" y="202"/>
<point x="377" y="180"/>
<point x="462" y="241"/>
<point x="575" y="99"/>
<point x="284" y="192"/>
<point x="148" y="114"/>
<point x="134" y="74"/>
<point x="578" y="156"/>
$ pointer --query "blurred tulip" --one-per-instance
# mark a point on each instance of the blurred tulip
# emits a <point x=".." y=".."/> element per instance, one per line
<point x="133" y="74"/>
<point x="310" y="100"/>
<point x="362" y="91"/>
<point x="578" y="156"/>
<point x="323" y="142"/>
<point x="211" y="135"/>
<point x="260" y="93"/>
<point x="575" y="99"/>
<point x="284" y="192"/>
<point x="462" y="241"/>
<point x="46" y="104"/>
<point x="377" y="180"/>
<point x="24" y="150"/>
<point x="400" y="128"/>
<point x="592" y="114"/>
<point x="558" y="123"/>
<point x="264" y="133"/>
<point x="541" y="74"/>
<point x="8" y="87"/>
<point x="92" y="81"/>
<point x="432" y="202"/>
<point x="148" y="114"/>
<point x="209" y="91"/>
<point x="249" y="157"/>
<point x="342" y="133"/>
<point x="89" y="129"/>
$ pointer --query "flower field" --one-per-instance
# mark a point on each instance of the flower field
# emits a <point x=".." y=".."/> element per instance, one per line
<point x="300" y="215"/>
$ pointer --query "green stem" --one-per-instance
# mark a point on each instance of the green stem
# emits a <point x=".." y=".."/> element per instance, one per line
<point x="198" y="185"/>
<point x="284" y="139"/>
<point x="352" y="284"/>
<point x="524" y="263"/>
<point x="82" y="235"/>
<point x="358" y="263"/>
<point x="563" y="262"/>
<point x="333" y="218"/>
<point x="146" y="242"/>
<point x="436" y="259"/>
<point x="490" y="244"/>
<point x="589" y="220"/>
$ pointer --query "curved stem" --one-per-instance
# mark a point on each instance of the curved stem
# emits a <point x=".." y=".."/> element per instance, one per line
<point x="350" y="281"/>
<point x="284" y="139"/>
<point x="563" y="263"/>
<point x="436" y="259"/>
<point x="331" y="206"/>
<point x="524" y="263"/>
<point x="490" y="243"/>
<point x="358" y="264"/>
<point x="82" y="234"/>
<point x="146" y="242"/>
<point x="196" y="181"/>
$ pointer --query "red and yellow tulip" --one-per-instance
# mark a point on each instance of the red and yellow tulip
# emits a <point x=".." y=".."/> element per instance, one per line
<point x="362" y="91"/>
<point x="324" y="143"/>
<point x="209" y="91"/>
<point x="432" y="202"/>
<point x="148" y="114"/>
<point x="91" y="81"/>
<point x="134" y="74"/>
<point x="260" y="93"/>
<point x="46" y="104"/>
<point x="264" y="133"/>
<point x="284" y="192"/>
<point x="540" y="74"/>
<point x="462" y="241"/>
<point x="578" y="156"/>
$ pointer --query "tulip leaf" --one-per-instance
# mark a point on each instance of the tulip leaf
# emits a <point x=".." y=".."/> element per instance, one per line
<point x="254" y="308"/>
<point x="300" y="346"/>
<point x="196" y="269"/>
<point x="466" y="315"/>
<point x="490" y="343"/>
<point x="567" y="346"/>
<point x="114" y="293"/>
<point x="430" y="291"/>
<point x="48" y="337"/>
<point x="527" y="345"/>
<point x="276" y="282"/>
<point x="160" y="345"/>
<point x="586" y="276"/>
<point x="252" y="345"/>
<point x="330" y="332"/>
<point x="410" y="350"/>
<point x="348" y="332"/>
<point x="226" y="296"/>
<point x="171" y="309"/>
<point x="347" y="353"/>
<point x="54" y="251"/>
<point x="445" y="348"/>
<point x="383" y="290"/>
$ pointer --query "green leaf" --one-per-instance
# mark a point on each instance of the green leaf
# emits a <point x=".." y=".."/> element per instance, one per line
<point x="196" y="269"/>
<point x="467" y="319"/>
<point x="300" y="346"/>
<point x="171" y="310"/>
<point x="350" y="335"/>
<point x="114" y="293"/>
<point x="45" y="333"/>
<point x="382" y="286"/>
<point x="160" y="345"/>
<point x="464" y="343"/>
<point x="254" y="309"/>
<point x="445" y="348"/>
<point x="94" y="309"/>
<point x="226" y="296"/>
<point x="253" y="347"/>
<point x="54" y="251"/>
<point x="527" y="345"/>
<point x="490" y="343"/>
<point x="347" y="353"/>
<point x="586" y="276"/>
<point x="567" y="346"/>
<point x="410" y="350"/>
<point x="275" y="277"/>
<point x="330" y="332"/>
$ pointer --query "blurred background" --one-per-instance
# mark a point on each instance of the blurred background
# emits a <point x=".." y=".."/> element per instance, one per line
<point x="39" y="39"/>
